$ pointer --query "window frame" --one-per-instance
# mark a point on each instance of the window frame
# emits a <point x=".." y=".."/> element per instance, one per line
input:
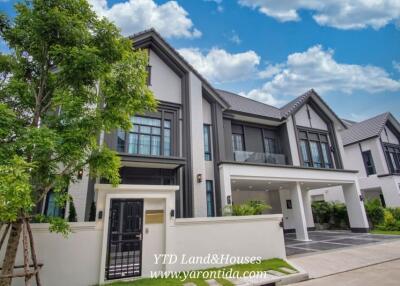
<point x="61" y="210"/>
<point x="207" y="153"/>
<point x="392" y="149"/>
<point x="210" y="212"/>
<point x="163" y="116"/>
<point x="320" y="142"/>
<point x="369" y="154"/>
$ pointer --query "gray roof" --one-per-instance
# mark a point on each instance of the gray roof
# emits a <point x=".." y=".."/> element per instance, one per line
<point x="243" y="104"/>
<point x="366" y="129"/>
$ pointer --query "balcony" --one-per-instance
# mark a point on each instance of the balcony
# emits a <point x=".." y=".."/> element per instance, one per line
<point x="255" y="157"/>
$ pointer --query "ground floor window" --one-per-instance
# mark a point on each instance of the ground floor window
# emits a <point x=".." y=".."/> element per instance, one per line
<point x="51" y="208"/>
<point x="210" y="198"/>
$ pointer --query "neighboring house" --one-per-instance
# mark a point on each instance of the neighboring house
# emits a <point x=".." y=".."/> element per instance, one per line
<point x="221" y="148"/>
<point x="373" y="148"/>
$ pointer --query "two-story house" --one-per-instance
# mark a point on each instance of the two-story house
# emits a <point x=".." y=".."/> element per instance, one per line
<point x="372" y="147"/>
<point x="221" y="148"/>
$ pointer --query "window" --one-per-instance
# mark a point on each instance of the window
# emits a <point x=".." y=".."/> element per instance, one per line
<point x="210" y="198"/>
<point x="207" y="142"/>
<point x="237" y="138"/>
<point x="145" y="137"/>
<point x="393" y="156"/>
<point x="368" y="162"/>
<point x="270" y="145"/>
<point x="314" y="149"/>
<point x="51" y="208"/>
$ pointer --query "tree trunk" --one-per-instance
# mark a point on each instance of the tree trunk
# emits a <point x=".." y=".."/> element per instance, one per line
<point x="11" y="253"/>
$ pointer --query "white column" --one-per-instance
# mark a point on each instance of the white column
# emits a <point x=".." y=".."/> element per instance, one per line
<point x="307" y="208"/>
<point x="355" y="208"/>
<point x="299" y="213"/>
<point x="225" y="186"/>
<point x="390" y="191"/>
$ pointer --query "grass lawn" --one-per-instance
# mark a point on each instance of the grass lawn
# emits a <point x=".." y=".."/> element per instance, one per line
<point x="376" y="231"/>
<point x="265" y="265"/>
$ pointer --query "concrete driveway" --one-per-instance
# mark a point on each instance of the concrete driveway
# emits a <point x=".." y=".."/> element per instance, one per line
<point x="387" y="273"/>
<point x="331" y="240"/>
<point x="325" y="263"/>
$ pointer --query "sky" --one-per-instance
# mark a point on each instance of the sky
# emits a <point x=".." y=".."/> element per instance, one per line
<point x="348" y="51"/>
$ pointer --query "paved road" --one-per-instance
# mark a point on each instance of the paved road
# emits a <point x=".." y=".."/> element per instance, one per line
<point x="383" y="274"/>
<point x="326" y="263"/>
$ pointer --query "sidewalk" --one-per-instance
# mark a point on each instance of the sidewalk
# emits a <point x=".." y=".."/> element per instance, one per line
<point x="337" y="261"/>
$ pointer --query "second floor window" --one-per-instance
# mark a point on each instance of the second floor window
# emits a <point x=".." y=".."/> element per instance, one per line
<point x="393" y="156"/>
<point x="207" y="142"/>
<point x="270" y="145"/>
<point x="148" y="137"/>
<point x="368" y="162"/>
<point x="314" y="149"/>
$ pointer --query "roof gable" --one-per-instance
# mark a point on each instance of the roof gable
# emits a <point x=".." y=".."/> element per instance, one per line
<point x="150" y="38"/>
<point x="366" y="129"/>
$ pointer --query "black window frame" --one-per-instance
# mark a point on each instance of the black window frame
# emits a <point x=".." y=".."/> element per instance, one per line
<point x="61" y="210"/>
<point x="210" y="212"/>
<point x="369" y="169"/>
<point x="318" y="139"/>
<point x="207" y="151"/>
<point x="394" y="150"/>
<point x="239" y="133"/>
<point x="123" y="138"/>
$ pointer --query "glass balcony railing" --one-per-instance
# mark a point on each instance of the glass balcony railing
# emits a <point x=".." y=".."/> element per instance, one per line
<point x="255" y="157"/>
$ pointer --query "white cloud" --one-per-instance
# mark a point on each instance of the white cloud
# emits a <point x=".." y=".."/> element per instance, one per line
<point x="234" y="38"/>
<point x="263" y="96"/>
<point x="342" y="14"/>
<point x="396" y="65"/>
<point x="133" y="16"/>
<point x="220" y="66"/>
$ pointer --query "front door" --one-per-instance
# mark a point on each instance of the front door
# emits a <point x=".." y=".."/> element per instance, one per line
<point x="124" y="252"/>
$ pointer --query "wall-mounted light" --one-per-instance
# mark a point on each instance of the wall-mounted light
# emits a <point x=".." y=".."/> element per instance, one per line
<point x="80" y="174"/>
<point x="228" y="200"/>
<point x="361" y="198"/>
<point x="199" y="178"/>
<point x="172" y="213"/>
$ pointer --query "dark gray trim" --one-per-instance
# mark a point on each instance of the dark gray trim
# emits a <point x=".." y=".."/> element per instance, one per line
<point x="286" y="166"/>
<point x="388" y="175"/>
<point x="360" y="229"/>
<point x="150" y="38"/>
<point x="219" y="151"/>
<point x="180" y="161"/>
<point x="293" y="230"/>
<point x="187" y="191"/>
<point x="384" y="154"/>
<point x="233" y="112"/>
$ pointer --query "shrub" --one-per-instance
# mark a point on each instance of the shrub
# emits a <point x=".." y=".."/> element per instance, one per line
<point x="389" y="222"/>
<point x="321" y="212"/>
<point x="248" y="208"/>
<point x="395" y="212"/>
<point x="339" y="215"/>
<point x="72" y="212"/>
<point x="375" y="212"/>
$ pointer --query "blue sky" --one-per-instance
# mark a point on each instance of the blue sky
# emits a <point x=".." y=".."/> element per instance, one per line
<point x="273" y="50"/>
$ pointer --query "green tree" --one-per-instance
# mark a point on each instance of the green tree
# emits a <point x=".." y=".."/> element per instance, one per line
<point x="70" y="76"/>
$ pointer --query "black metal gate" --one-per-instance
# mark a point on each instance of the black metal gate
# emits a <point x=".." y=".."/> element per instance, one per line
<point x="124" y="253"/>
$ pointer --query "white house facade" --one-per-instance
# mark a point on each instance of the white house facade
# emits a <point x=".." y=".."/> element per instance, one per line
<point x="202" y="151"/>
<point x="373" y="148"/>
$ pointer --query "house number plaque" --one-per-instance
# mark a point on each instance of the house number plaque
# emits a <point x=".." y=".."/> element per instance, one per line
<point x="154" y="216"/>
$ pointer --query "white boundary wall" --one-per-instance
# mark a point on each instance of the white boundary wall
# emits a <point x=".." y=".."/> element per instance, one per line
<point x="79" y="260"/>
<point x="246" y="236"/>
<point x="66" y="261"/>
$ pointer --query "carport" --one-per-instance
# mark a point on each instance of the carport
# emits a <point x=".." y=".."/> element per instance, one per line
<point x="331" y="240"/>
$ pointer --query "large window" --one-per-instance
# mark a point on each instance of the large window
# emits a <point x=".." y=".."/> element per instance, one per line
<point x="237" y="138"/>
<point x="314" y="149"/>
<point x="210" y="198"/>
<point x="148" y="136"/>
<point x="368" y="162"/>
<point x="51" y="207"/>
<point x="393" y="156"/>
<point x="207" y="142"/>
<point x="271" y="145"/>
